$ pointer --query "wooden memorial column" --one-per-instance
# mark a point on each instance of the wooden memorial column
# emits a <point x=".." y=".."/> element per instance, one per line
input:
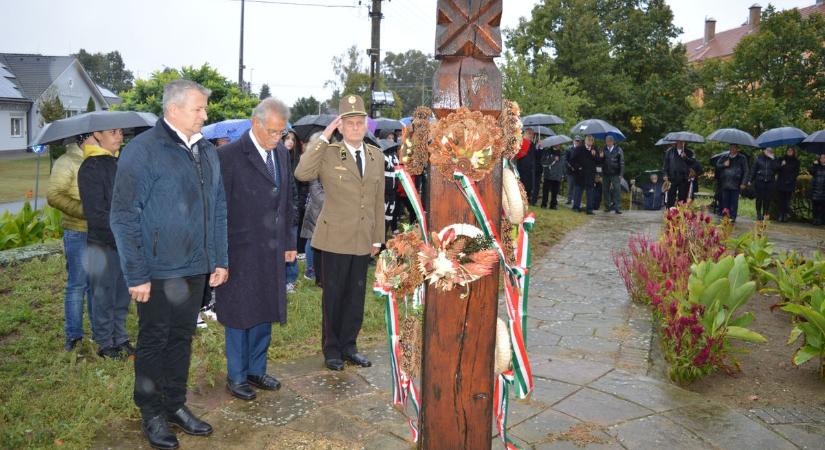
<point x="459" y="333"/>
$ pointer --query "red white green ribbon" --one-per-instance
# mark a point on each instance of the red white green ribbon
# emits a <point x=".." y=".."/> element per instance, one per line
<point x="524" y="258"/>
<point x="501" y="407"/>
<point x="403" y="388"/>
<point x="412" y="193"/>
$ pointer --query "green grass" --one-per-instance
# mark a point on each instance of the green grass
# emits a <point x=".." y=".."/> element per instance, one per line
<point x="18" y="177"/>
<point x="48" y="396"/>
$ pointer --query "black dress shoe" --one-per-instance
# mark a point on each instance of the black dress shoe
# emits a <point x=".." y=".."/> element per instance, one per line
<point x="241" y="390"/>
<point x="264" y="381"/>
<point x="186" y="421"/>
<point x="334" y="364"/>
<point x="157" y="433"/>
<point x="358" y="359"/>
<point x="70" y="344"/>
<point x="110" y="353"/>
<point x="618" y="211"/>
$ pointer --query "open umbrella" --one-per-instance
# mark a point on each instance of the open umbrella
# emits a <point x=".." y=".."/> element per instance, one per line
<point x="555" y="140"/>
<point x="814" y="143"/>
<point x="542" y="131"/>
<point x="732" y="136"/>
<point x="387" y="125"/>
<point x="598" y="128"/>
<point x="307" y="125"/>
<point x="541" y="119"/>
<point x="684" y="136"/>
<point x="663" y="141"/>
<point x="230" y="128"/>
<point x="93" y="121"/>
<point x="388" y="145"/>
<point x="781" y="136"/>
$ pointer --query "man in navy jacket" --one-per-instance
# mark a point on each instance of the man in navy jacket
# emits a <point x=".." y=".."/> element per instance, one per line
<point x="169" y="221"/>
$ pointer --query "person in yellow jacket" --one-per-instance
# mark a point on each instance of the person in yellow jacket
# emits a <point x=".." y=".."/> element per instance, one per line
<point x="64" y="195"/>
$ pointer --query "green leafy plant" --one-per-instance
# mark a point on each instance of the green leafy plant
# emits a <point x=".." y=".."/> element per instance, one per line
<point x="793" y="275"/>
<point x="811" y="327"/>
<point x="29" y="227"/>
<point x="758" y="250"/>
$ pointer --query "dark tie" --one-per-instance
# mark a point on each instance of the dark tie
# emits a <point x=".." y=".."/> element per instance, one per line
<point x="270" y="167"/>
<point x="358" y="162"/>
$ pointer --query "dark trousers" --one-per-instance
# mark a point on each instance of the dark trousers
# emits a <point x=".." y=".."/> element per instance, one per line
<point x="818" y="207"/>
<point x="764" y="196"/>
<point x="730" y="201"/>
<point x="550" y="187"/>
<point x="597" y="197"/>
<point x="246" y="351"/>
<point x="537" y="180"/>
<point x="110" y="299"/>
<point x="783" y="203"/>
<point x="166" y="324"/>
<point x="677" y="192"/>
<point x="344" y="278"/>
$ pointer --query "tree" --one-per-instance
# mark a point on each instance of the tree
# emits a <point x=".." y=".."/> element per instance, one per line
<point x="304" y="106"/>
<point x="51" y="109"/>
<point x="107" y="70"/>
<point x="409" y="76"/>
<point x="264" y="92"/>
<point x="90" y="105"/>
<point x="619" y="53"/>
<point x="353" y="78"/>
<point x="227" y="101"/>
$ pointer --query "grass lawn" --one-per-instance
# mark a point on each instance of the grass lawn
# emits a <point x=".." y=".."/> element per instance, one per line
<point x="17" y="178"/>
<point x="49" y="397"/>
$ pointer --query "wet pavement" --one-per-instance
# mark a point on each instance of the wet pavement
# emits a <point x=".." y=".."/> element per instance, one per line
<point x="590" y="349"/>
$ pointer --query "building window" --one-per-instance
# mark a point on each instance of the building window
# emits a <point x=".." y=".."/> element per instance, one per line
<point x="17" y="127"/>
<point x="71" y="113"/>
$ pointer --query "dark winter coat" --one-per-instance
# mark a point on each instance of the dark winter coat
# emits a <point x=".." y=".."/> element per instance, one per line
<point x="733" y="176"/>
<point x="584" y="165"/>
<point x="764" y="170"/>
<point x="614" y="161"/>
<point x="315" y="202"/>
<point x="677" y="168"/>
<point x="553" y="165"/>
<point x="259" y="223"/>
<point x="527" y="166"/>
<point x="818" y="182"/>
<point x="788" y="172"/>
<point x="168" y="208"/>
<point x="96" y="180"/>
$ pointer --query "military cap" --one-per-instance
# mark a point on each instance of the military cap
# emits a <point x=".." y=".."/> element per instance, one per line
<point x="351" y="105"/>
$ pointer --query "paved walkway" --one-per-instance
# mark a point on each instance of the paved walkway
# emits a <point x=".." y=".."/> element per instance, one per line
<point x="590" y="349"/>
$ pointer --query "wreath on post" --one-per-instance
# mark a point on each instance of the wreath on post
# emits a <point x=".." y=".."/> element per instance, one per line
<point x="468" y="142"/>
<point x="415" y="141"/>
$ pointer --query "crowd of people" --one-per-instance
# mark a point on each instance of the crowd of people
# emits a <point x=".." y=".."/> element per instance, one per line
<point x="165" y="221"/>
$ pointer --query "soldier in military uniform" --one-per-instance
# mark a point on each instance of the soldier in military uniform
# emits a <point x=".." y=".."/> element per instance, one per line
<point x="350" y="228"/>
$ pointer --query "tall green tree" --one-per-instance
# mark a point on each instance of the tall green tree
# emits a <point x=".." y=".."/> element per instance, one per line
<point x="226" y="102"/>
<point x="410" y="76"/>
<point x="264" y="92"/>
<point x="90" y="105"/>
<point x="51" y="108"/>
<point x="304" y="106"/>
<point x="352" y="77"/>
<point x="106" y="69"/>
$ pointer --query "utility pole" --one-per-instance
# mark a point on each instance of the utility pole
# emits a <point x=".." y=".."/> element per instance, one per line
<point x="375" y="49"/>
<point x="240" y="58"/>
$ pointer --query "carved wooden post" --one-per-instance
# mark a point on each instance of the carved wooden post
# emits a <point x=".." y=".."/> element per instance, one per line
<point x="459" y="334"/>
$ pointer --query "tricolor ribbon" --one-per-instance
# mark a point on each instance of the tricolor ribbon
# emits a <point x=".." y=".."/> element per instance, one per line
<point x="403" y="388"/>
<point x="412" y="193"/>
<point x="501" y="405"/>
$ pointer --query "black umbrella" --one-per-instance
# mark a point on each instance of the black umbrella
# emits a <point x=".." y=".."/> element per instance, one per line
<point x="597" y="128"/>
<point x="307" y="125"/>
<point x="541" y="119"/>
<point x="732" y="136"/>
<point x="685" y="136"/>
<point x="388" y="145"/>
<point x="781" y="136"/>
<point x="386" y="125"/>
<point x="542" y="131"/>
<point x="555" y="140"/>
<point x="814" y="143"/>
<point x="663" y="141"/>
<point x="90" y="122"/>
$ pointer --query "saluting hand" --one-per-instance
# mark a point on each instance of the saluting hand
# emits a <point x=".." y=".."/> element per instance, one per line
<point x="331" y="128"/>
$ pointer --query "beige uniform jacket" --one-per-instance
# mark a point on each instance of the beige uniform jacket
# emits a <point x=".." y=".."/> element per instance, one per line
<point x="352" y="218"/>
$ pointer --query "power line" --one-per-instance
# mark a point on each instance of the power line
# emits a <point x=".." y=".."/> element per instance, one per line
<point x="287" y="3"/>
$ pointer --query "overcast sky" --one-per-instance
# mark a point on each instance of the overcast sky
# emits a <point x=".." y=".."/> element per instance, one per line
<point x="289" y="47"/>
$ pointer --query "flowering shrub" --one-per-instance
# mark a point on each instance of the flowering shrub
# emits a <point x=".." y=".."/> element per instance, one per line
<point x="693" y="290"/>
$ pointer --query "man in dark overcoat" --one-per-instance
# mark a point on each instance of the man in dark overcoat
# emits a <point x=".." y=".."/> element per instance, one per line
<point x="259" y="186"/>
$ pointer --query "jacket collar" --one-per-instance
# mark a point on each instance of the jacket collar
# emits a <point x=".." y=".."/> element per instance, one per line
<point x="95" y="150"/>
<point x="177" y="136"/>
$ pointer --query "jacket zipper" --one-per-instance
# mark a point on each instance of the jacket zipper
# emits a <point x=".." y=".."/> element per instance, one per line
<point x="199" y="173"/>
<point x="155" y="244"/>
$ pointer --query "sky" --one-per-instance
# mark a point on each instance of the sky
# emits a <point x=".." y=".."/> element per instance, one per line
<point x="287" y="46"/>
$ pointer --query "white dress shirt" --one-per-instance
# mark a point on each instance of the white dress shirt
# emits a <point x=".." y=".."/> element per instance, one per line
<point x="261" y="151"/>
<point x="188" y="142"/>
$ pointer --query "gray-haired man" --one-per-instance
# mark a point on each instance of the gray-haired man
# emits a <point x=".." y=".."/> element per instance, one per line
<point x="168" y="217"/>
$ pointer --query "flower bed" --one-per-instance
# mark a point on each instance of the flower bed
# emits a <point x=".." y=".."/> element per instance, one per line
<point x="694" y="289"/>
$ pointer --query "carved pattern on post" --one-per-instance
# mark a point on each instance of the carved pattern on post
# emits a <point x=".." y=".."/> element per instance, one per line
<point x="468" y="28"/>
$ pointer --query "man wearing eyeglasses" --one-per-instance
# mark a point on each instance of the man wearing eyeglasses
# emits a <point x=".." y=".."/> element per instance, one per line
<point x="259" y="187"/>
